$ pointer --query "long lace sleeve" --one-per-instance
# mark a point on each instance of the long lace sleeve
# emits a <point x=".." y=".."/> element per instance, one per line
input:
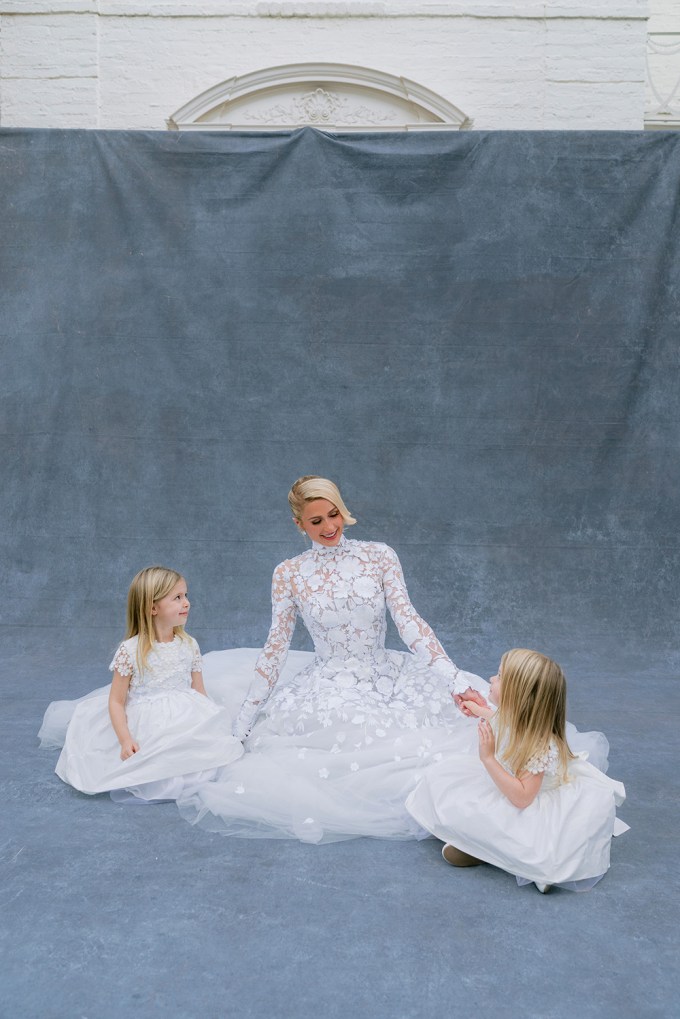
<point x="414" y="631"/>
<point x="273" y="655"/>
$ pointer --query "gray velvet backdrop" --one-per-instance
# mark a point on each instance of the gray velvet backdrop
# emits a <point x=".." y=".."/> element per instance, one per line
<point x="476" y="335"/>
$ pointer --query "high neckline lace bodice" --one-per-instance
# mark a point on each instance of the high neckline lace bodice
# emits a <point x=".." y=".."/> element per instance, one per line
<point x="342" y="593"/>
<point x="342" y="546"/>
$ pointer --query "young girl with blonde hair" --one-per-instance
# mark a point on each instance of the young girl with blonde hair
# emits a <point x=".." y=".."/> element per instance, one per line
<point x="532" y="807"/>
<point x="154" y="734"/>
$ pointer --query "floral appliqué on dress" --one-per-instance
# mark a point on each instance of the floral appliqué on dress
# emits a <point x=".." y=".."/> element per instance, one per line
<point x="341" y="594"/>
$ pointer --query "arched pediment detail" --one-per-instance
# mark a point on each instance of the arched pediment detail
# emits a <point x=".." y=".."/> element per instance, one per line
<point x="332" y="97"/>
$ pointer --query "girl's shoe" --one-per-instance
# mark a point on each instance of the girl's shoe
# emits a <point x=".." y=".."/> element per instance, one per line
<point x="544" y="889"/>
<point x="457" y="858"/>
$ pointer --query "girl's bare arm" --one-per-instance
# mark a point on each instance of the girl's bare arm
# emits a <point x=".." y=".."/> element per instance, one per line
<point x="520" y="789"/>
<point x="197" y="683"/>
<point x="117" y="701"/>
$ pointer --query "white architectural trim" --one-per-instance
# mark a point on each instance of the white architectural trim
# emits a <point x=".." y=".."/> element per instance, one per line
<point x="533" y="9"/>
<point x="329" y="96"/>
<point x="663" y="80"/>
<point x="662" y="122"/>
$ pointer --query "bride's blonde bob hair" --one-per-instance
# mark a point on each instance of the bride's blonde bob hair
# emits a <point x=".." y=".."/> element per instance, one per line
<point x="149" y="586"/>
<point x="532" y="709"/>
<point x="313" y="487"/>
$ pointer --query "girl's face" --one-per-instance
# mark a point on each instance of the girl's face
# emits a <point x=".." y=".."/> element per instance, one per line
<point x="173" y="609"/>
<point x="495" y="692"/>
<point x="322" y="522"/>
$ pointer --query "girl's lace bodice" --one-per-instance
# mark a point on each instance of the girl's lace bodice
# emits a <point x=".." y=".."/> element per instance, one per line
<point x="341" y="594"/>
<point x="168" y="667"/>
<point x="545" y="762"/>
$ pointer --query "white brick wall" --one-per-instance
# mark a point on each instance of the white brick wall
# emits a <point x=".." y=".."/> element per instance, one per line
<point x="48" y="71"/>
<point x="132" y="63"/>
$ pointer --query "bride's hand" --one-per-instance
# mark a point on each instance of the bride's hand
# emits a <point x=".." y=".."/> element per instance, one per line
<point x="239" y="732"/>
<point x="478" y="710"/>
<point x="469" y="695"/>
<point x="245" y="720"/>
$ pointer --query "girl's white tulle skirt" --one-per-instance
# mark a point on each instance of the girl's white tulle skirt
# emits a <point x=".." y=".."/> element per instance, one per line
<point x="184" y="739"/>
<point x="562" y="838"/>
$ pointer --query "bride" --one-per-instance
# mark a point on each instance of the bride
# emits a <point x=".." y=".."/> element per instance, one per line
<point x="334" y="748"/>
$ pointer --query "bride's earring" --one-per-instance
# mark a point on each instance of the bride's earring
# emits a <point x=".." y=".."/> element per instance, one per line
<point x="300" y="528"/>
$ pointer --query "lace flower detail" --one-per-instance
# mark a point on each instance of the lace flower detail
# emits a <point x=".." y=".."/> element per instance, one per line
<point x="122" y="663"/>
<point x="547" y="762"/>
<point x="167" y="667"/>
<point x="196" y="661"/>
<point x="342" y="593"/>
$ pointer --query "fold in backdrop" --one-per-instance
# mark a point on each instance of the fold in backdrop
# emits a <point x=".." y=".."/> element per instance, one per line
<point x="476" y="334"/>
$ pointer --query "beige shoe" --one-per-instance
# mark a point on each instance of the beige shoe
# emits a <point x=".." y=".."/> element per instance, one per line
<point x="543" y="889"/>
<point x="457" y="858"/>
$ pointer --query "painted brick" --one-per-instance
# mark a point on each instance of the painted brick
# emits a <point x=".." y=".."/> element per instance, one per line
<point x="48" y="47"/>
<point x="511" y="72"/>
<point x="587" y="107"/>
<point x="598" y="51"/>
<point x="49" y="102"/>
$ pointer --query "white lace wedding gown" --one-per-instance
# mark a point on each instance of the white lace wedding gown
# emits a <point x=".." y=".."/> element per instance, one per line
<point x="184" y="738"/>
<point x="337" y="746"/>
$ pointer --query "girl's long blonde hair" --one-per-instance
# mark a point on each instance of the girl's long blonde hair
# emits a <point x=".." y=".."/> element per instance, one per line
<point x="533" y="709"/>
<point x="311" y="487"/>
<point x="149" y="586"/>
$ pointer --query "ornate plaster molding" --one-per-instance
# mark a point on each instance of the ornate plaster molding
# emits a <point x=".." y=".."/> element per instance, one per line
<point x="332" y="96"/>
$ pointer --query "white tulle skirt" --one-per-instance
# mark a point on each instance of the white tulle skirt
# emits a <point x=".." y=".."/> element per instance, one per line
<point x="328" y="778"/>
<point x="184" y="738"/>
<point x="562" y="838"/>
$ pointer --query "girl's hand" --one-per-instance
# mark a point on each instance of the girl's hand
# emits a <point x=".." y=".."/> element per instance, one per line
<point x="462" y="699"/>
<point x="487" y="740"/>
<point x="127" y="748"/>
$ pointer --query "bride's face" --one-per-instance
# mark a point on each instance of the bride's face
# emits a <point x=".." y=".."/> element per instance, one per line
<point x="322" y="522"/>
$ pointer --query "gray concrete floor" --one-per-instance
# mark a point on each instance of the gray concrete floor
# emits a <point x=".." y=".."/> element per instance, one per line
<point x="111" y="910"/>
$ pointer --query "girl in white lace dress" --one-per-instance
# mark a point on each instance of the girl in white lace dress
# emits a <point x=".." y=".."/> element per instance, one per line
<point x="527" y="804"/>
<point x="336" y="742"/>
<point x="154" y="734"/>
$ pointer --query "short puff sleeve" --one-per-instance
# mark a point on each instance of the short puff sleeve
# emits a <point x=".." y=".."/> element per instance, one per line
<point x="547" y="761"/>
<point x="196" y="660"/>
<point x="122" y="663"/>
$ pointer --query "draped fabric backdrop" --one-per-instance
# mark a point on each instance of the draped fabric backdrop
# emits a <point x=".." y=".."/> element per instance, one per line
<point x="476" y="334"/>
